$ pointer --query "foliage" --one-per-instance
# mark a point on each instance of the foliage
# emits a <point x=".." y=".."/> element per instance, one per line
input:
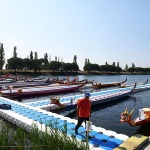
<point x="15" y="52"/>
<point x="50" y="139"/>
<point x="2" y="56"/>
<point x="36" y="64"/>
<point x="75" y="59"/>
<point x="31" y="55"/>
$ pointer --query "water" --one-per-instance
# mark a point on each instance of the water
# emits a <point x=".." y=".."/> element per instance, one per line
<point x="108" y="115"/>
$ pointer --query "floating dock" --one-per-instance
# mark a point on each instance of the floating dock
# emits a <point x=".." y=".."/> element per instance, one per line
<point x="25" y="116"/>
<point x="133" y="143"/>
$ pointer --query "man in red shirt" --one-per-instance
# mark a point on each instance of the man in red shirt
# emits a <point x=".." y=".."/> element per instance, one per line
<point x="83" y="111"/>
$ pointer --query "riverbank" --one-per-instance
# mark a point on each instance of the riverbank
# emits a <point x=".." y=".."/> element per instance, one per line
<point x="73" y="73"/>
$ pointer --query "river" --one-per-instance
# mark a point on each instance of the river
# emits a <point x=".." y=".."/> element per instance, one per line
<point x="108" y="115"/>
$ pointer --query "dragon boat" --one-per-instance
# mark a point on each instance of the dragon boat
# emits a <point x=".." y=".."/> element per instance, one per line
<point x="143" y="118"/>
<point x="39" y="90"/>
<point x="94" y="99"/>
<point x="107" y="84"/>
<point x="130" y="85"/>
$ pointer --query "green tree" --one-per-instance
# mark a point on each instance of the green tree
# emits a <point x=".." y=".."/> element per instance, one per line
<point x="131" y="69"/>
<point x="75" y="59"/>
<point x="15" y="63"/>
<point x="117" y="64"/>
<point x="86" y="62"/>
<point x="45" y="60"/>
<point x="126" y="67"/>
<point x="133" y="65"/>
<point x="2" y="56"/>
<point x="54" y="65"/>
<point x="75" y="67"/>
<point x="15" y="52"/>
<point x="35" y="55"/>
<point x="68" y="66"/>
<point x="106" y="63"/>
<point x="31" y="55"/>
<point x="27" y="63"/>
<point x="114" y="64"/>
<point x="55" y="58"/>
<point x="36" y="65"/>
<point x="118" y="69"/>
<point x="87" y="67"/>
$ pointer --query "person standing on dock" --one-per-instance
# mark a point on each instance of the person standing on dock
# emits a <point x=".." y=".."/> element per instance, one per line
<point x="83" y="111"/>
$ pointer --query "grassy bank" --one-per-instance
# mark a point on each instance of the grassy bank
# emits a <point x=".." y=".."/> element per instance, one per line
<point x="49" y="140"/>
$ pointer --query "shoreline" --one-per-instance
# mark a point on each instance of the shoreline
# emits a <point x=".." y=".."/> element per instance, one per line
<point x="49" y="72"/>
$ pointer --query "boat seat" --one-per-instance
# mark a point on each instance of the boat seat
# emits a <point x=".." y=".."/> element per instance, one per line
<point x="142" y="116"/>
<point x="146" y="112"/>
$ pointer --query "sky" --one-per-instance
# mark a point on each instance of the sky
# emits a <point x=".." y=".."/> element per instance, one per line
<point x="99" y="30"/>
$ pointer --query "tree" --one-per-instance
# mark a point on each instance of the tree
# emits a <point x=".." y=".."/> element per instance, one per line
<point x="68" y="67"/>
<point x="86" y="62"/>
<point x="131" y="69"/>
<point x="117" y="64"/>
<point x="106" y="63"/>
<point x="2" y="56"/>
<point x="54" y="65"/>
<point x="35" y="55"/>
<point x="114" y="64"/>
<point x="118" y="69"/>
<point x="95" y="67"/>
<point x="45" y="60"/>
<point x="50" y="58"/>
<point x="37" y="65"/>
<point x="75" y="59"/>
<point x="31" y="55"/>
<point x="27" y="63"/>
<point x="15" y="52"/>
<point x="126" y="67"/>
<point x="15" y="63"/>
<point x="55" y="58"/>
<point x="75" y="67"/>
<point x="87" y="67"/>
<point x="133" y="65"/>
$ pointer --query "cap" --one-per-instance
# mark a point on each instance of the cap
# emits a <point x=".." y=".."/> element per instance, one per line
<point x="87" y="94"/>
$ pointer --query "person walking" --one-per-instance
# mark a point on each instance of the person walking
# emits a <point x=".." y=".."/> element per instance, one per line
<point x="83" y="111"/>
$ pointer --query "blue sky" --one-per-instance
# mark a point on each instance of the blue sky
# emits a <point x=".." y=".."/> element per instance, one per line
<point x="99" y="30"/>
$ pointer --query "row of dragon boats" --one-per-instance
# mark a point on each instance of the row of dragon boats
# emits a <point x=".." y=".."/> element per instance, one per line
<point x="12" y="89"/>
<point x="50" y="86"/>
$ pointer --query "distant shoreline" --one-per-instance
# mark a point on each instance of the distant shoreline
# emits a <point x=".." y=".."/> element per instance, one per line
<point x="49" y="72"/>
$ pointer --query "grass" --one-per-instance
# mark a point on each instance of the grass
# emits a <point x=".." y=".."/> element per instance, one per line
<point x="51" y="139"/>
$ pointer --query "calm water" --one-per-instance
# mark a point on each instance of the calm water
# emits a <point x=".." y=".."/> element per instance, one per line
<point x="108" y="116"/>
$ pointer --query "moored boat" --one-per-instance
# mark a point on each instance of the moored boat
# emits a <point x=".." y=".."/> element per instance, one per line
<point x="143" y="118"/>
<point x="94" y="99"/>
<point x="130" y="85"/>
<point x="22" y="84"/>
<point x="39" y="90"/>
<point x="108" y="84"/>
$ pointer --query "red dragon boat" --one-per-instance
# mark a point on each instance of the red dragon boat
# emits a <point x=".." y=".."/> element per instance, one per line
<point x="39" y="90"/>
<point x="143" y="118"/>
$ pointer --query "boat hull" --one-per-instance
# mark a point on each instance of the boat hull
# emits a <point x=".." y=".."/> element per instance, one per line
<point x="40" y="91"/>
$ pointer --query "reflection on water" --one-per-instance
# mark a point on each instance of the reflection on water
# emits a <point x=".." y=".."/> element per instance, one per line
<point x="108" y="116"/>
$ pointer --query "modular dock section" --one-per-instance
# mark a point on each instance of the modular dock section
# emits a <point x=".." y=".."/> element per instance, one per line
<point x="25" y="116"/>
